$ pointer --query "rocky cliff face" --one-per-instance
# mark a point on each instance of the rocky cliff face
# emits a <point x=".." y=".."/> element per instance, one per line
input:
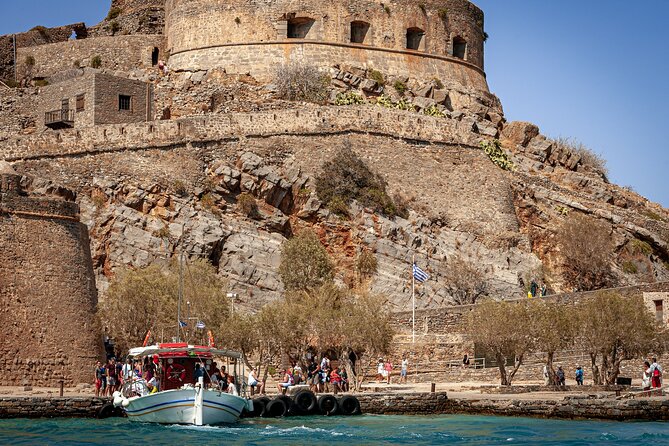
<point x="150" y="201"/>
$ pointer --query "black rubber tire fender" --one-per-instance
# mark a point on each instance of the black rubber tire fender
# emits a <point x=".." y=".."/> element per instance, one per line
<point x="305" y="402"/>
<point x="276" y="408"/>
<point x="106" y="411"/>
<point x="349" y="405"/>
<point x="260" y="406"/>
<point x="328" y="405"/>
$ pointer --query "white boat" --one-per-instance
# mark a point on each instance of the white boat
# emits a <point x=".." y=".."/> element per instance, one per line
<point x="181" y="399"/>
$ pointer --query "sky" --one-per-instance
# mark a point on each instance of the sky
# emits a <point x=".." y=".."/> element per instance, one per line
<point x="592" y="70"/>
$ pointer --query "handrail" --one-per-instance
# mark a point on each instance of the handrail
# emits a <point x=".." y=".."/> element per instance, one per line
<point x="61" y="115"/>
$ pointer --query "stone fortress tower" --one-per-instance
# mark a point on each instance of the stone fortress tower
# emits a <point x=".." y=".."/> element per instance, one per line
<point x="433" y="39"/>
<point x="47" y="289"/>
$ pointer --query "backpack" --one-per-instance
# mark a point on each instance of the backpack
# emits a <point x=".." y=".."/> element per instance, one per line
<point x="657" y="373"/>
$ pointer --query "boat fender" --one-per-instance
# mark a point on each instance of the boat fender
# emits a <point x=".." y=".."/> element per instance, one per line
<point x="249" y="406"/>
<point x="106" y="411"/>
<point x="276" y="408"/>
<point x="349" y="405"/>
<point x="259" y="406"/>
<point x="118" y="400"/>
<point x="327" y="405"/>
<point x="125" y="402"/>
<point x="305" y="402"/>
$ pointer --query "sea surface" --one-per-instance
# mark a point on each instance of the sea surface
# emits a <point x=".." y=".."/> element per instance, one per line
<point x="360" y="430"/>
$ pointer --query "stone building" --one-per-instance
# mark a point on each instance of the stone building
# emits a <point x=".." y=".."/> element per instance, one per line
<point x="440" y="39"/>
<point x="47" y="289"/>
<point x="89" y="98"/>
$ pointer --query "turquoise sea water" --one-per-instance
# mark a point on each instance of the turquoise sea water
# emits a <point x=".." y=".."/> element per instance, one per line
<point x="361" y="430"/>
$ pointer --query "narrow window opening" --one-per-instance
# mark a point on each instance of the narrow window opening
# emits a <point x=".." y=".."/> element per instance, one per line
<point x="124" y="102"/>
<point x="155" y="54"/>
<point x="81" y="102"/>
<point x="415" y="39"/>
<point x="65" y="104"/>
<point x="359" y="31"/>
<point x="300" y="28"/>
<point x="460" y="48"/>
<point x="659" y="310"/>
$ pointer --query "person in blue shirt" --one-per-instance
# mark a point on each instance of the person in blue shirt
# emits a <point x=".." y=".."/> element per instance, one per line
<point x="579" y="376"/>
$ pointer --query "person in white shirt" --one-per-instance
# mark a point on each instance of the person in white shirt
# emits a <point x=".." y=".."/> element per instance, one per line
<point x="404" y="369"/>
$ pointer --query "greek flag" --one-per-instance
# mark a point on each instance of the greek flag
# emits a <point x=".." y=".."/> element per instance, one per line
<point x="182" y="324"/>
<point x="420" y="275"/>
<point x="200" y="325"/>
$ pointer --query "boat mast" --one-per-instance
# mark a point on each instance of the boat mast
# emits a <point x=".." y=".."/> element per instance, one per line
<point x="181" y="292"/>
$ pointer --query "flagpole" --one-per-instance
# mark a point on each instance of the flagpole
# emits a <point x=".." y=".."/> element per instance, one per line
<point x="413" y="302"/>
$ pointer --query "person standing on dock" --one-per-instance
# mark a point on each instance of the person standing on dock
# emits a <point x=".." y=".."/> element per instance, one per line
<point x="388" y="367"/>
<point x="655" y="374"/>
<point x="404" y="369"/>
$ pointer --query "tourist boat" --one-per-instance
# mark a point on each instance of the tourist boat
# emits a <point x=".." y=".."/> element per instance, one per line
<point x="181" y="400"/>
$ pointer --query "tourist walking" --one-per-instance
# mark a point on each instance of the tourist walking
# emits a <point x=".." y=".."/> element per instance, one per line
<point x="655" y="374"/>
<point x="533" y="288"/>
<point x="579" y="376"/>
<point x="404" y="370"/>
<point x="645" y="379"/>
<point x="380" y="371"/>
<point x="465" y="361"/>
<point x="559" y="377"/>
<point x="388" y="368"/>
<point x="99" y="373"/>
<point x="547" y="380"/>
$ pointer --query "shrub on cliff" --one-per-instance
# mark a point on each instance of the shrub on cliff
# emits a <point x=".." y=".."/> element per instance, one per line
<point x="464" y="281"/>
<point x="346" y="177"/>
<point x="305" y="264"/>
<point x="586" y="248"/>
<point x="589" y="157"/>
<point x="302" y="82"/>
<point x="247" y="205"/>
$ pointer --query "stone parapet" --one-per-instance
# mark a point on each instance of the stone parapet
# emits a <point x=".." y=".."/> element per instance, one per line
<point x="307" y="122"/>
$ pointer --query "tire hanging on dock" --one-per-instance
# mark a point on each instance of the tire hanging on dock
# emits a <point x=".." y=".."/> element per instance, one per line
<point x="304" y="402"/>
<point x="328" y="405"/>
<point x="349" y="405"/>
<point x="106" y="411"/>
<point x="260" y="406"/>
<point x="276" y="409"/>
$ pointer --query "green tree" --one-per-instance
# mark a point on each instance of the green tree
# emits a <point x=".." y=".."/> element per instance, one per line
<point x="464" y="281"/>
<point x="305" y="264"/>
<point x="612" y="329"/>
<point x="146" y="299"/>
<point x="504" y="329"/>
<point x="554" y="326"/>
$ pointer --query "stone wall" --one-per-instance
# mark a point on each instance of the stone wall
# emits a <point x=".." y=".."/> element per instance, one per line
<point x="47" y="290"/>
<point x="56" y="407"/>
<point x="575" y="407"/>
<point x="309" y="121"/>
<point x="440" y="344"/>
<point x="245" y="36"/>
<point x="35" y="37"/>
<point x="132" y="17"/>
<point x="122" y="53"/>
<point x="100" y="93"/>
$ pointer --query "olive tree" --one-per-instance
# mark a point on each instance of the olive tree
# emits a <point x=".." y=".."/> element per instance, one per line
<point x="464" y="281"/>
<point x="503" y="329"/>
<point x="146" y="299"/>
<point x="554" y="326"/>
<point x="612" y="329"/>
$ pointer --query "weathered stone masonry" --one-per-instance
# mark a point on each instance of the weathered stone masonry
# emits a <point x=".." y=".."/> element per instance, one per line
<point x="47" y="290"/>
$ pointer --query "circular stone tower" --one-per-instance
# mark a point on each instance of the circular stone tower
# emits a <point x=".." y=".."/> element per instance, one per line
<point x="47" y="290"/>
<point x="440" y="39"/>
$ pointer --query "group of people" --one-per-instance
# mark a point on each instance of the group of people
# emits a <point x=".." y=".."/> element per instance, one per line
<point x="384" y="370"/>
<point x="652" y="375"/>
<point x="536" y="289"/>
<point x="321" y="377"/>
<point x="111" y="376"/>
<point x="218" y="377"/>
<point x="560" y="379"/>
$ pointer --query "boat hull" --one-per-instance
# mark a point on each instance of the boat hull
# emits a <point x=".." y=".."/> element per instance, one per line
<point x="178" y="407"/>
